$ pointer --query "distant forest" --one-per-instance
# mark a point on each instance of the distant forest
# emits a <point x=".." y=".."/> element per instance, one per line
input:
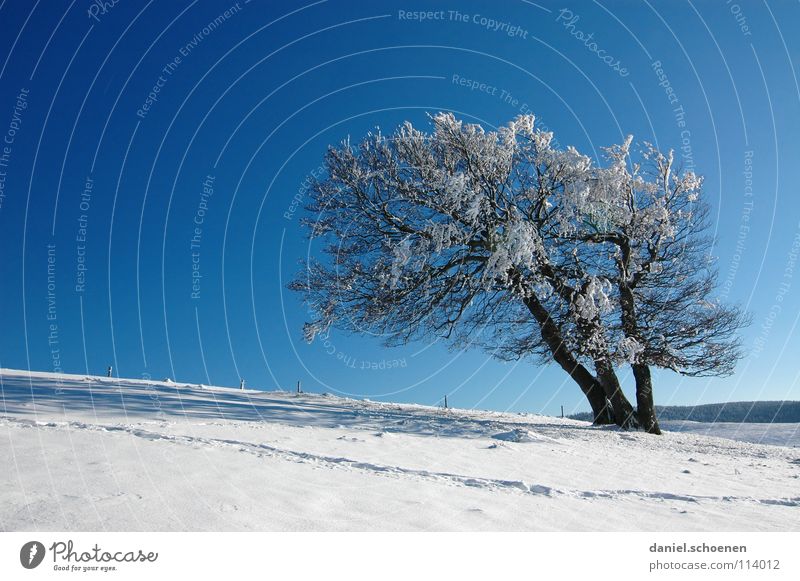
<point x="756" y="412"/>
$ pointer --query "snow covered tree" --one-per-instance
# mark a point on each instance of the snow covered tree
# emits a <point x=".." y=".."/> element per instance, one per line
<point x="652" y="222"/>
<point x="496" y="239"/>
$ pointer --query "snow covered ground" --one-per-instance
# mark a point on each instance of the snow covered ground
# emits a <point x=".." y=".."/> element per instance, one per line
<point x="90" y="453"/>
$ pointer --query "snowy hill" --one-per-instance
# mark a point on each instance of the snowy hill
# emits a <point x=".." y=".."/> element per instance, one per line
<point x="92" y="453"/>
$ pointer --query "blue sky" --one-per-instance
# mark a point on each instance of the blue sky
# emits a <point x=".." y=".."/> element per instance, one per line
<point x="154" y="142"/>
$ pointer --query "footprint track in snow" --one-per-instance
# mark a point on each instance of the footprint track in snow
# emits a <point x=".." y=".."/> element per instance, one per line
<point x="336" y="462"/>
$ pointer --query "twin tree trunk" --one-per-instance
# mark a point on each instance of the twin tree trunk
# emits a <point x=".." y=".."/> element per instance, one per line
<point x="604" y="392"/>
<point x="591" y="388"/>
<point x="624" y="415"/>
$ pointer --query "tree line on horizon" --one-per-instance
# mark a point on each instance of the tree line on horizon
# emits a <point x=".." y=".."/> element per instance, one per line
<point x="756" y="412"/>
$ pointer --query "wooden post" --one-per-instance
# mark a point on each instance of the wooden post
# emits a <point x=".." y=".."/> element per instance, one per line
<point x="562" y="411"/>
<point x="298" y="387"/>
<point x="445" y="402"/>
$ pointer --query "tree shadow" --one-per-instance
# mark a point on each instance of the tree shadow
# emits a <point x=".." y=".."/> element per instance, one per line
<point x="44" y="396"/>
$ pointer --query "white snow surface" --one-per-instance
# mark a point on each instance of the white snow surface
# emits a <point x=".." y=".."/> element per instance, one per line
<point x="775" y="434"/>
<point x="95" y="453"/>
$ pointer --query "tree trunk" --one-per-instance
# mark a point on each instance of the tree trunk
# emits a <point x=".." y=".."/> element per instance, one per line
<point x="630" y="326"/>
<point x="624" y="415"/>
<point x="601" y="407"/>
<point x="591" y="387"/>
<point x="644" y="399"/>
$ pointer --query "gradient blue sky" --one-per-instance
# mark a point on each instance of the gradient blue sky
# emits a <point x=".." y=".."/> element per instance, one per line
<point x="255" y="101"/>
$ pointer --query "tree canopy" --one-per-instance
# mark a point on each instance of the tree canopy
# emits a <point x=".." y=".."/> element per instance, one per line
<point x="503" y="240"/>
